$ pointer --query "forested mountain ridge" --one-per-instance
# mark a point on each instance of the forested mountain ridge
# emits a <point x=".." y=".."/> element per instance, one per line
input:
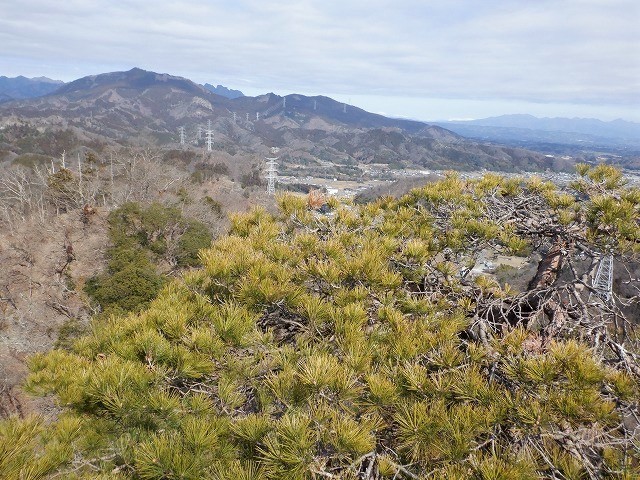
<point x="145" y="108"/>
<point x="357" y="343"/>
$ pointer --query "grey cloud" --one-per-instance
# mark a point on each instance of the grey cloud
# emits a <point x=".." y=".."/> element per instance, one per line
<point x="582" y="51"/>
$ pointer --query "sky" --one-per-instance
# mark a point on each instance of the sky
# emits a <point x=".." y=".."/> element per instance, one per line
<point x="421" y="59"/>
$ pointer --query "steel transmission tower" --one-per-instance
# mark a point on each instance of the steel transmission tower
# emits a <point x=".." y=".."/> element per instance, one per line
<point x="272" y="174"/>
<point x="181" y="130"/>
<point x="603" y="281"/>
<point x="209" y="134"/>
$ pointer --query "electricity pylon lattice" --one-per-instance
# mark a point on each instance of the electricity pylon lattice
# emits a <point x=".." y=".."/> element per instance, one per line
<point x="272" y="174"/>
<point x="209" y="134"/>
<point x="181" y="130"/>
<point x="603" y="281"/>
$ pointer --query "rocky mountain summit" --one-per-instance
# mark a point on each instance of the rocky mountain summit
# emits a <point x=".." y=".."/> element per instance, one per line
<point x="223" y="91"/>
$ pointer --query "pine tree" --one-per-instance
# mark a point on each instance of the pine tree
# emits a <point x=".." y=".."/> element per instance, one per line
<point x="359" y="345"/>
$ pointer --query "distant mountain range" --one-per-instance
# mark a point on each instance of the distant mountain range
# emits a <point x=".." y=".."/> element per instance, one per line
<point x="589" y="126"/>
<point x="224" y="91"/>
<point x="313" y="133"/>
<point x="22" y="87"/>
<point x="553" y="134"/>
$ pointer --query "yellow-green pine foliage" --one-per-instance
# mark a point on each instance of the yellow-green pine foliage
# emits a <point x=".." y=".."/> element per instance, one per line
<point x="309" y="346"/>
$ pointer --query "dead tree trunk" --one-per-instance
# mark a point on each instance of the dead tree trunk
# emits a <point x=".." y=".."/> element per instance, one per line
<point x="549" y="267"/>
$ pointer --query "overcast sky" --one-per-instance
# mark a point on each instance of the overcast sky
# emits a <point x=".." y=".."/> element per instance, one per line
<point x="422" y="59"/>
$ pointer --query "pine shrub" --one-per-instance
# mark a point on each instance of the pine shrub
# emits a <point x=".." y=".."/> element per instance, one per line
<point x="341" y="346"/>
